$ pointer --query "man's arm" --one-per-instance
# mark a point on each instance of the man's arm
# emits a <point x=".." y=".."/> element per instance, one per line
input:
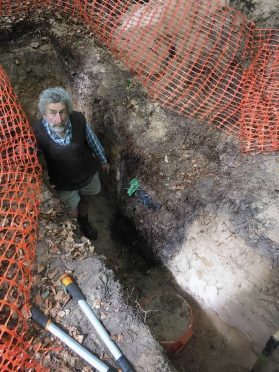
<point x="96" y="148"/>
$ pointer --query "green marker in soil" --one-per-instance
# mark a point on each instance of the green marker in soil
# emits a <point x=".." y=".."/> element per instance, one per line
<point x="134" y="186"/>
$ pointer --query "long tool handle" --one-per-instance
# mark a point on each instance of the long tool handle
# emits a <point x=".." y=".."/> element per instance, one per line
<point x="270" y="346"/>
<point x="77" y="295"/>
<point x="47" y="324"/>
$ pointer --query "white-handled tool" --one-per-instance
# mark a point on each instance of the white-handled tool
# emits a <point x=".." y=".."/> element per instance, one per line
<point x="47" y="324"/>
<point x="78" y="296"/>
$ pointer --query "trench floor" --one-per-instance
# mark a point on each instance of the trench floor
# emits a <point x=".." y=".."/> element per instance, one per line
<point x="214" y="346"/>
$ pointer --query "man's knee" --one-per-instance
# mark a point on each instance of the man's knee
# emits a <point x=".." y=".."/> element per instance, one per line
<point x="92" y="188"/>
<point x="70" y="198"/>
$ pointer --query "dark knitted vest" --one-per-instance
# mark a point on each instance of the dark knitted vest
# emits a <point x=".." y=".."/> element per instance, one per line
<point x="72" y="166"/>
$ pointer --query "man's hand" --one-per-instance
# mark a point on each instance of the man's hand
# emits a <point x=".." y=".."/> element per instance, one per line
<point x="105" y="168"/>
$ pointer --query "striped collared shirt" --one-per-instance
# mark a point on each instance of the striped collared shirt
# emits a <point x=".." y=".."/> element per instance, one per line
<point x="93" y="142"/>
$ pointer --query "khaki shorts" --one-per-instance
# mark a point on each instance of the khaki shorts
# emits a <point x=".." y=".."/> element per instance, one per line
<point x="72" y="197"/>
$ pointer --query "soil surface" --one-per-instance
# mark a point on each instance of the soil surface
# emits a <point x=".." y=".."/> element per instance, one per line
<point x="168" y="315"/>
<point x="186" y="170"/>
<point x="61" y="249"/>
<point x="214" y="346"/>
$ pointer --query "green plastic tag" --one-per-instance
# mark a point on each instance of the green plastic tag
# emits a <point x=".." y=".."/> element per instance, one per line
<point x="134" y="186"/>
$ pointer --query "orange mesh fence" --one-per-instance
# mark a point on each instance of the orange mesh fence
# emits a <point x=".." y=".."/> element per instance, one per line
<point x="202" y="59"/>
<point x="259" y="111"/>
<point x="19" y="188"/>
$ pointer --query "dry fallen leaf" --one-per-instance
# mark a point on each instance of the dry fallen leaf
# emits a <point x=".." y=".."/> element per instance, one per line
<point x="97" y="303"/>
<point x="73" y="331"/>
<point x="61" y="313"/>
<point x="67" y="311"/>
<point x="52" y="274"/>
<point x="41" y="268"/>
<point x="103" y="316"/>
<point x="59" y="296"/>
<point x="54" y="249"/>
<point x="118" y="338"/>
<point x="86" y="369"/>
<point x="26" y="313"/>
<point x="49" y="211"/>
<point x="38" y="300"/>
<point x="79" y="338"/>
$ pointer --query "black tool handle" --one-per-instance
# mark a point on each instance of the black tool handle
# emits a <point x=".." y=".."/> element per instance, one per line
<point x="39" y="317"/>
<point x="124" y="364"/>
<point x="72" y="288"/>
<point x="270" y="346"/>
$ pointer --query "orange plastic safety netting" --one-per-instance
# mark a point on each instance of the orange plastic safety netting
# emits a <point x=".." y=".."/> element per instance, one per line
<point x="201" y="58"/>
<point x="19" y="189"/>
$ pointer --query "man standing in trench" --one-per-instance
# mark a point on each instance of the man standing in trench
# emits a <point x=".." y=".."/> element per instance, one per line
<point x="72" y="152"/>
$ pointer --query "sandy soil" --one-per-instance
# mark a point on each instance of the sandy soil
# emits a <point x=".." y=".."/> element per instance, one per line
<point x="214" y="346"/>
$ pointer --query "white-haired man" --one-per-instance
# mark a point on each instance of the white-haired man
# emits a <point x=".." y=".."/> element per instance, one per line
<point x="72" y="152"/>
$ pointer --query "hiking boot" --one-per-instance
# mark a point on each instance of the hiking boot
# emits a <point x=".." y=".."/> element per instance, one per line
<point x="85" y="227"/>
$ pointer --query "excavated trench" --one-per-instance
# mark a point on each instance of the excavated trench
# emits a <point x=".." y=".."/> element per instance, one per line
<point x="215" y="218"/>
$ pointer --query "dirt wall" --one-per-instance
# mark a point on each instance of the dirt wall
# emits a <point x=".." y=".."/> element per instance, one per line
<point x="263" y="12"/>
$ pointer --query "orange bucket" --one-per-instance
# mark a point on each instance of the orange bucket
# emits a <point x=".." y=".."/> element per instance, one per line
<point x="170" y="319"/>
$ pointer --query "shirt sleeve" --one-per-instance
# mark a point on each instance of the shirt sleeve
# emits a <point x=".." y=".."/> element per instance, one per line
<point x="95" y="144"/>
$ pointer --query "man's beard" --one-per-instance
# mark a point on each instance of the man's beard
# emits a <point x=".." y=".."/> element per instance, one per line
<point x="58" y="129"/>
